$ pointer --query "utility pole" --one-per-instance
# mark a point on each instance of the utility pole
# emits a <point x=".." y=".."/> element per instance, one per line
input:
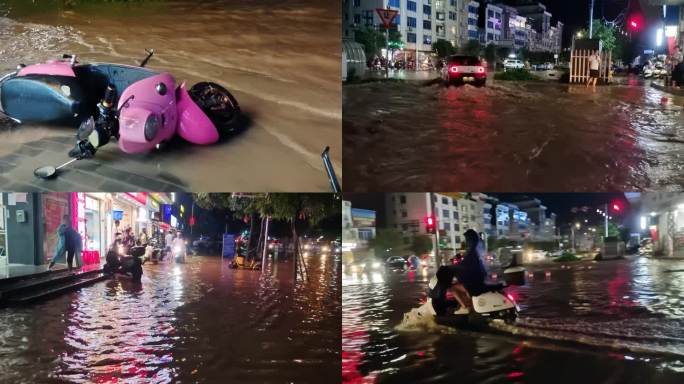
<point x="263" y="256"/>
<point x="192" y="215"/>
<point x="605" y="214"/>
<point x="572" y="231"/>
<point x="438" y="261"/>
<point x="591" y="20"/>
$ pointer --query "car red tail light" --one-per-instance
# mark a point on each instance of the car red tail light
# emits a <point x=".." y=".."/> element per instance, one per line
<point x="510" y="297"/>
<point x="453" y="69"/>
<point x="480" y="69"/>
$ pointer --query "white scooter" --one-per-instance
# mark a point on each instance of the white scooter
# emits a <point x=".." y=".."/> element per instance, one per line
<point x="489" y="305"/>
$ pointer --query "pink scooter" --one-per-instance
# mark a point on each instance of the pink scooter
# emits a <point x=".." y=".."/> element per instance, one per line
<point x="150" y="107"/>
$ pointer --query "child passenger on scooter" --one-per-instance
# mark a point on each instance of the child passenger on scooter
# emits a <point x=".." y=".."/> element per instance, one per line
<point x="438" y="294"/>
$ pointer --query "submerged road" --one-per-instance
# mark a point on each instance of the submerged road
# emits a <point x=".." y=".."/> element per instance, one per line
<point x="588" y="322"/>
<point x="507" y="136"/>
<point x="198" y="322"/>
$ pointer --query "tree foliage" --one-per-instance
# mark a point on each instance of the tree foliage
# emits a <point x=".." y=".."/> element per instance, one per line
<point x="374" y="40"/>
<point x="443" y="48"/>
<point x="472" y="48"/>
<point x="607" y="35"/>
<point x="421" y="244"/>
<point x="386" y="238"/>
<point x="311" y="207"/>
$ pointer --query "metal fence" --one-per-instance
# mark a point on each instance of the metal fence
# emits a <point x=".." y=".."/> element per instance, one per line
<point x="579" y="66"/>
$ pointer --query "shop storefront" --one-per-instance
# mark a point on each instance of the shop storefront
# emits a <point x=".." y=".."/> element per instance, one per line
<point x="3" y="235"/>
<point x="91" y="217"/>
<point x="129" y="210"/>
<point x="55" y="206"/>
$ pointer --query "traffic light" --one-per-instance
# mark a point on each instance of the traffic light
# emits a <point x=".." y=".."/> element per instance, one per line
<point x="635" y="21"/>
<point x="616" y="206"/>
<point x="430" y="224"/>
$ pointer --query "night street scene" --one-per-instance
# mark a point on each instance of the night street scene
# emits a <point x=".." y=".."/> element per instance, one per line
<point x="513" y="95"/>
<point x="170" y="288"/>
<point x="525" y="288"/>
<point x="246" y="88"/>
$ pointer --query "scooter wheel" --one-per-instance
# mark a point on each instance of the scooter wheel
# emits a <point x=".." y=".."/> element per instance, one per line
<point x="218" y="104"/>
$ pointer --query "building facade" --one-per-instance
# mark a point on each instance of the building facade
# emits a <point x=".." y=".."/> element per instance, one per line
<point x="454" y="213"/>
<point x="493" y="24"/>
<point x="662" y="219"/>
<point x="29" y="223"/>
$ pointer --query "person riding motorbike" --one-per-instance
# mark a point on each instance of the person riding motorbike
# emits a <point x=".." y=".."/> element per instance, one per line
<point x="112" y="258"/>
<point x="179" y="247"/>
<point x="168" y="243"/>
<point x="143" y="239"/>
<point x="471" y="272"/>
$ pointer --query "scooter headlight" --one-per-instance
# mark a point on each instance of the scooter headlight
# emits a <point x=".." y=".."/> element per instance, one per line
<point x="152" y="127"/>
<point x="177" y="249"/>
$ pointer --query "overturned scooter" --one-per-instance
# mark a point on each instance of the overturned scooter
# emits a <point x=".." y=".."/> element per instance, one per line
<point x="140" y="108"/>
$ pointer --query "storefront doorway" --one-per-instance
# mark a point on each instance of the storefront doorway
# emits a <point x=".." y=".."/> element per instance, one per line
<point x="3" y="237"/>
<point x="55" y="206"/>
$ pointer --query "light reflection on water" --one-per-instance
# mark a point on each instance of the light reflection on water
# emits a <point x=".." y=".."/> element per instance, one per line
<point x="182" y="323"/>
<point x="620" y="319"/>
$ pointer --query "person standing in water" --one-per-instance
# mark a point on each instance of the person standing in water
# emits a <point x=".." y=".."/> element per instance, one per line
<point x="68" y="243"/>
<point x="594" y="65"/>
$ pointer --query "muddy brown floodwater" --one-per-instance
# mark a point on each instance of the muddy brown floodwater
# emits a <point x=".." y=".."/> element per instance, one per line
<point x="512" y="137"/>
<point x="616" y="321"/>
<point x="200" y="322"/>
<point x="280" y="59"/>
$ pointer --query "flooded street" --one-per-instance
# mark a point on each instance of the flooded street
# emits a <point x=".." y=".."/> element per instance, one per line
<point x="507" y="136"/>
<point x="594" y="322"/>
<point x="280" y="60"/>
<point x="200" y="322"/>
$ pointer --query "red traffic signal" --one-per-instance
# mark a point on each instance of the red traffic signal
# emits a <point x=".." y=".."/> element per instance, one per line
<point x="635" y="21"/>
<point x="192" y="221"/>
<point x="430" y="224"/>
<point x="615" y="206"/>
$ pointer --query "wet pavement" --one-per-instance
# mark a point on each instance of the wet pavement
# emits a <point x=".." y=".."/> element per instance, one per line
<point x="510" y="136"/>
<point x="617" y="321"/>
<point x="200" y="322"/>
<point x="280" y="60"/>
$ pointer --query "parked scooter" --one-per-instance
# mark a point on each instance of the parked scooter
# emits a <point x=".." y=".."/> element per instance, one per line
<point x="118" y="261"/>
<point x="140" y="108"/>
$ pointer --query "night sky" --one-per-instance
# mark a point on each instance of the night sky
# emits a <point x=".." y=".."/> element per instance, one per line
<point x="558" y="203"/>
<point x="574" y="14"/>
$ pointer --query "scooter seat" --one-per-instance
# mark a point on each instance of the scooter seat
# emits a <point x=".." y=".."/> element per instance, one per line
<point x="486" y="288"/>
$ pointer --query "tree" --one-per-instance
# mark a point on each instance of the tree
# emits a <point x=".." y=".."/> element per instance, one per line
<point x="374" y="40"/>
<point x="443" y="48"/>
<point x="386" y="240"/>
<point x="472" y="48"/>
<point x="395" y="38"/>
<point x="240" y="205"/>
<point x="607" y="35"/>
<point x="421" y="244"/>
<point x="294" y="208"/>
<point x="371" y="39"/>
<point x="490" y="54"/>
